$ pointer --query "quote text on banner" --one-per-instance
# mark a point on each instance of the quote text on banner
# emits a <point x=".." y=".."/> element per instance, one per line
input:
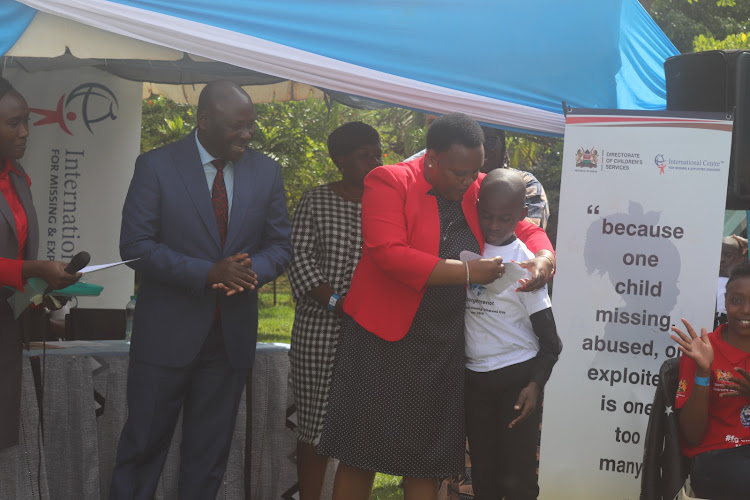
<point x="638" y="247"/>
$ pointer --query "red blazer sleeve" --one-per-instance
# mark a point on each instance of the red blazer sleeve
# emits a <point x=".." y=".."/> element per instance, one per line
<point x="387" y="227"/>
<point x="533" y="236"/>
<point x="11" y="273"/>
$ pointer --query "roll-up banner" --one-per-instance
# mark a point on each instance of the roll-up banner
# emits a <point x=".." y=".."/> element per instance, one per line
<point x="638" y="248"/>
<point x="84" y="137"/>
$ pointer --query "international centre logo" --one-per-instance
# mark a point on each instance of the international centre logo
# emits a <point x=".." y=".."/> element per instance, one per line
<point x="587" y="158"/>
<point x="95" y="103"/>
<point x="661" y="163"/>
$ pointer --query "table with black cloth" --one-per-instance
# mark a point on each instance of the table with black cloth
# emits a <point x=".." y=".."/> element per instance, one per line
<point x="84" y="409"/>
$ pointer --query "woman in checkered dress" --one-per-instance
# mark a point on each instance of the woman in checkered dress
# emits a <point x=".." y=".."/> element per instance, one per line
<point x="327" y="238"/>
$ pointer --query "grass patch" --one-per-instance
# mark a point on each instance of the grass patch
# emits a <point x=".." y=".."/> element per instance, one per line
<point x="387" y="488"/>
<point x="275" y="321"/>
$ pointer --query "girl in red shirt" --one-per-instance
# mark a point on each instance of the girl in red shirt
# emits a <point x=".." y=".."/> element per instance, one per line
<point x="714" y="397"/>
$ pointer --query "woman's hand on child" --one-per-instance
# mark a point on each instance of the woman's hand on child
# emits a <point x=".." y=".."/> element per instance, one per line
<point x="541" y="270"/>
<point x="526" y="403"/>
<point x="697" y="348"/>
<point x="740" y="385"/>
<point x="483" y="271"/>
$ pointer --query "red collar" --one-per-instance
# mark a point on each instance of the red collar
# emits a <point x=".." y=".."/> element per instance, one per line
<point x="9" y="167"/>
<point x="731" y="353"/>
<point x="422" y="183"/>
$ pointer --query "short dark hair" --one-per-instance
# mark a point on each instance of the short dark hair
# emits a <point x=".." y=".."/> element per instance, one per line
<point x="351" y="136"/>
<point x="5" y="87"/>
<point x="741" y="270"/>
<point x="454" y="128"/>
<point x="506" y="182"/>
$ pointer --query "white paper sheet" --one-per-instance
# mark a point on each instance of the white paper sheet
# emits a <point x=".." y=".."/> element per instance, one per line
<point x="513" y="272"/>
<point x="98" y="267"/>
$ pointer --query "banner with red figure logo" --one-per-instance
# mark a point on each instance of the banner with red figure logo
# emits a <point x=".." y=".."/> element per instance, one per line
<point x="84" y="137"/>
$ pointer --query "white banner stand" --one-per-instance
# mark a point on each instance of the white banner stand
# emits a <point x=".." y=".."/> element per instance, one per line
<point x="84" y="137"/>
<point x="638" y="248"/>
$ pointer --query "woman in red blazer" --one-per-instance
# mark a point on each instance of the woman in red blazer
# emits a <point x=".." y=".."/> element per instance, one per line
<point x="396" y="400"/>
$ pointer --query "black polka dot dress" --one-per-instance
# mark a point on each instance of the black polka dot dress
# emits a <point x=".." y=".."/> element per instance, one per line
<point x="397" y="407"/>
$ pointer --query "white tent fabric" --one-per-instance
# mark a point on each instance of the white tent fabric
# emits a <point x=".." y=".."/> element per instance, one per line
<point x="51" y="36"/>
<point x="223" y="31"/>
<point x="294" y="64"/>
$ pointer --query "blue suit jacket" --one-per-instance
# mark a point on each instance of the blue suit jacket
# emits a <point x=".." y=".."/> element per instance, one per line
<point x="168" y="223"/>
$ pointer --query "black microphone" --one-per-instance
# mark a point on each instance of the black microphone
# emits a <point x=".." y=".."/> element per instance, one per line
<point x="78" y="262"/>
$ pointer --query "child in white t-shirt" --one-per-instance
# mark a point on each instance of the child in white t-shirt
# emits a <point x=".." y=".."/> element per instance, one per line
<point x="511" y="347"/>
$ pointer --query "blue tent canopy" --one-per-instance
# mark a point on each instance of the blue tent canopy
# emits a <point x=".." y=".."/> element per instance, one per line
<point x="502" y="61"/>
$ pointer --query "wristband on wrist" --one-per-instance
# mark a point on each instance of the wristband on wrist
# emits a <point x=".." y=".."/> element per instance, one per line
<point x="468" y="284"/>
<point x="332" y="301"/>
<point x="702" y="381"/>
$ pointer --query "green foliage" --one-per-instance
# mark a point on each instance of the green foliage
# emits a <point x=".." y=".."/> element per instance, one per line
<point x="720" y="3"/>
<point x="294" y="134"/>
<point x="739" y="41"/>
<point x="542" y="156"/>
<point x="164" y="121"/>
<point x="684" y="20"/>
<point x="387" y="488"/>
<point x="402" y="132"/>
<point x="275" y="322"/>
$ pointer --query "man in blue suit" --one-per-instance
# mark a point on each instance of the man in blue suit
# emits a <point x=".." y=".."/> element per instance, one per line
<point x="206" y="217"/>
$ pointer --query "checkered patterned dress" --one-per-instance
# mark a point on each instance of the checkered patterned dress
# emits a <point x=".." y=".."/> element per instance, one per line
<point x="327" y="238"/>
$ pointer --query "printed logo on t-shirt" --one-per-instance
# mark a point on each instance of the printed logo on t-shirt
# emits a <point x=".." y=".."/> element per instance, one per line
<point x="722" y="376"/>
<point x="477" y="289"/>
<point x="745" y="416"/>
<point x="730" y="438"/>
<point x="682" y="388"/>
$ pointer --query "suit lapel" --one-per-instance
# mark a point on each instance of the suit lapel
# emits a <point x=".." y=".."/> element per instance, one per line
<point x="8" y="214"/>
<point x="188" y="164"/>
<point x="245" y="182"/>
<point x="21" y="185"/>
